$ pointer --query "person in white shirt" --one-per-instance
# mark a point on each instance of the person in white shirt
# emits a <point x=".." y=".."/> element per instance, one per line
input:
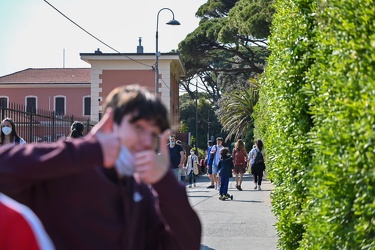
<point x="250" y="158"/>
<point x="216" y="150"/>
<point x="257" y="168"/>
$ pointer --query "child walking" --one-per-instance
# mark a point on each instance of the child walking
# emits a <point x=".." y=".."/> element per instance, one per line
<point x="225" y="168"/>
<point x="192" y="167"/>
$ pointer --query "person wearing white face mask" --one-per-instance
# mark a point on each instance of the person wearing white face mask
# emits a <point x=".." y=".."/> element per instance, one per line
<point x="132" y="202"/>
<point x="192" y="168"/>
<point x="9" y="134"/>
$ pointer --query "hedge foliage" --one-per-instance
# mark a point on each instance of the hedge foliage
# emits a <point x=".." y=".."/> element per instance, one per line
<point x="316" y="116"/>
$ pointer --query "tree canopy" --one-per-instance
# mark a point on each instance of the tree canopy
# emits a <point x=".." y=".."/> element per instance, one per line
<point x="231" y="40"/>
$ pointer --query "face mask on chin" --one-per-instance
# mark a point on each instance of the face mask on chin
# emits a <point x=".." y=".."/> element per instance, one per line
<point x="7" y="130"/>
<point x="191" y="153"/>
<point x="125" y="162"/>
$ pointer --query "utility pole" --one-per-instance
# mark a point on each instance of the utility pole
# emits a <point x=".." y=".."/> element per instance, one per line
<point x="196" y="116"/>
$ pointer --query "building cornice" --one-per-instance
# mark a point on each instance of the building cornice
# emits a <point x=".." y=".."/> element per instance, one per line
<point x="134" y="58"/>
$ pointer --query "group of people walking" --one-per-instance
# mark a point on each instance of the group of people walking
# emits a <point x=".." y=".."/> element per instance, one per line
<point x="178" y="157"/>
<point x="222" y="165"/>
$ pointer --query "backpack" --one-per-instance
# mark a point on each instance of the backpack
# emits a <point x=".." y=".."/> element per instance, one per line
<point x="258" y="158"/>
<point x="239" y="158"/>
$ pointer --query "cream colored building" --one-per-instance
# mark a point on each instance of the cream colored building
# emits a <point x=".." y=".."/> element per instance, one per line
<point x="111" y="70"/>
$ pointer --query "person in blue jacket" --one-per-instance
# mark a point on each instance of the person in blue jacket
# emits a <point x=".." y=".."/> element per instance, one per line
<point x="225" y="168"/>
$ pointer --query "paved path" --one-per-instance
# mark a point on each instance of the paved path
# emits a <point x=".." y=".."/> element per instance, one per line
<point x="244" y="223"/>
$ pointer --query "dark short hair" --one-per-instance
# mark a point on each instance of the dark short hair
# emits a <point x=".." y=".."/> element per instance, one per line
<point x="76" y="130"/>
<point x="219" y="138"/>
<point x="224" y="151"/>
<point x="138" y="101"/>
<point x="77" y="125"/>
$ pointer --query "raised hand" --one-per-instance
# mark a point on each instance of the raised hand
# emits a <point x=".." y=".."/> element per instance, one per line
<point x="151" y="166"/>
<point x="107" y="136"/>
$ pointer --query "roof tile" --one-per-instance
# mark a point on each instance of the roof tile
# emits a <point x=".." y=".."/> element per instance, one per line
<point x="48" y="75"/>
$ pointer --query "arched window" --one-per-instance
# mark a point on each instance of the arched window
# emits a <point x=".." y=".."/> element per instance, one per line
<point x="60" y="105"/>
<point x="4" y="101"/>
<point x="87" y="105"/>
<point x="31" y="104"/>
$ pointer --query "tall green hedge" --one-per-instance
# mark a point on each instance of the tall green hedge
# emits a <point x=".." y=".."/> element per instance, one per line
<point x="316" y="116"/>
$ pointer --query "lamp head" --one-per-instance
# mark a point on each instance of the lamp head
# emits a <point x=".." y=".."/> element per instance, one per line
<point x="173" y="22"/>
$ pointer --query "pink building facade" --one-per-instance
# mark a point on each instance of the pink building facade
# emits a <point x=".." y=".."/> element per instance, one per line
<point x="80" y="92"/>
<point x="65" y="91"/>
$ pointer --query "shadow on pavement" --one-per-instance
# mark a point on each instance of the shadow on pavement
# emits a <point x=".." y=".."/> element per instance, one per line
<point x="253" y="201"/>
<point x="254" y="190"/>
<point x="198" y="191"/>
<point x="200" y="196"/>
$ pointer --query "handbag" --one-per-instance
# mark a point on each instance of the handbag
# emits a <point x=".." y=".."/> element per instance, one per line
<point x="195" y="166"/>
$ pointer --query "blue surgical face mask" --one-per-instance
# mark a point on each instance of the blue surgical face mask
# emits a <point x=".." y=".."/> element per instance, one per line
<point x="172" y="143"/>
<point x="125" y="162"/>
<point x="7" y="130"/>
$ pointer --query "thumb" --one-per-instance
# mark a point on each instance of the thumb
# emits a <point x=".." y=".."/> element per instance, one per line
<point x="105" y="124"/>
<point x="106" y="132"/>
<point x="163" y="142"/>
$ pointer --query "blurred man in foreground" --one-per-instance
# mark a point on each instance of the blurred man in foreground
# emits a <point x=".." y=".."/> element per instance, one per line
<point x="90" y="196"/>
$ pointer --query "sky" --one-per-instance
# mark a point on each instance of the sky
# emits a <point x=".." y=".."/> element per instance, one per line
<point x="34" y="35"/>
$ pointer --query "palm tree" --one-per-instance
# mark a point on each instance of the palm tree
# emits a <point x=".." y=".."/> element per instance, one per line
<point x="236" y="110"/>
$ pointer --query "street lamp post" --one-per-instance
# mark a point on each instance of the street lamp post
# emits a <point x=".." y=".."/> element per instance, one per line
<point x="157" y="53"/>
<point x="208" y="121"/>
<point x="208" y="125"/>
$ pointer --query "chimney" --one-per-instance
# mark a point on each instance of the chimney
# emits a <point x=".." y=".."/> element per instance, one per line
<point x="140" y="47"/>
